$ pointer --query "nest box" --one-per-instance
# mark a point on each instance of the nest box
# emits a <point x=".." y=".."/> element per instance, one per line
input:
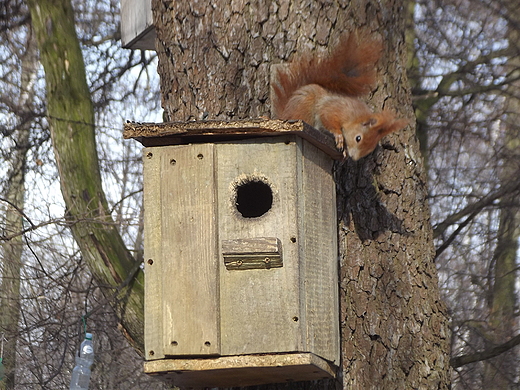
<point x="137" y="28"/>
<point x="241" y="266"/>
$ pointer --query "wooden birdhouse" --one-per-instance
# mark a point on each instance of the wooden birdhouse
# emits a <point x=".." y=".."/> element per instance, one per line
<point x="137" y="28"/>
<point x="240" y="252"/>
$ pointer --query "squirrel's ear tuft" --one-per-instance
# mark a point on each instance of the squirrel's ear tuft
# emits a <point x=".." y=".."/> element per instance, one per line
<point x="392" y="126"/>
<point x="387" y="123"/>
<point x="370" y="122"/>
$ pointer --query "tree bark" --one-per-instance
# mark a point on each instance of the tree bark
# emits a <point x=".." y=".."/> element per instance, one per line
<point x="12" y="258"/>
<point x="71" y="119"/>
<point x="214" y="63"/>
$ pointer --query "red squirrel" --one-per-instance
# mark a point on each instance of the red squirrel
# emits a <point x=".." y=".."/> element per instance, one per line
<point x="324" y="93"/>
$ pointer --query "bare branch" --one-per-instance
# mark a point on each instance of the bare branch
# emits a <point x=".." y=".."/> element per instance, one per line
<point x="462" y="360"/>
<point x="511" y="187"/>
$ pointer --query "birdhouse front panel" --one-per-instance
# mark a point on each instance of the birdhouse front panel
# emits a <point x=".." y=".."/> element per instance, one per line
<point x="257" y="193"/>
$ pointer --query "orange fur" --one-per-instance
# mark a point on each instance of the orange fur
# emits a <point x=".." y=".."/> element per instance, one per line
<point x="324" y="93"/>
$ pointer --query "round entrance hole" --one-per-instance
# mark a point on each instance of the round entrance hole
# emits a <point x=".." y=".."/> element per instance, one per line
<point x="254" y="198"/>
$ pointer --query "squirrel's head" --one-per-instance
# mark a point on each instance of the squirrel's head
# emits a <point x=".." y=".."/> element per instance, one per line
<point x="362" y="136"/>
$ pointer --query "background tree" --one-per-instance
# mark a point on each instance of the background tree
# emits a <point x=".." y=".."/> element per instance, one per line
<point x="467" y="104"/>
<point x="71" y="118"/>
<point x="214" y="63"/>
<point x="14" y="193"/>
<point x="55" y="287"/>
<point x="465" y="96"/>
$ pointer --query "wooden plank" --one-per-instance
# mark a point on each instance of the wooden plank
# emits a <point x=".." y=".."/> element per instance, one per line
<point x="319" y="262"/>
<point x="175" y="133"/>
<point x="153" y="331"/>
<point x="190" y="266"/>
<point x="251" y="245"/>
<point x="137" y="29"/>
<point x="246" y="370"/>
<point x="260" y="308"/>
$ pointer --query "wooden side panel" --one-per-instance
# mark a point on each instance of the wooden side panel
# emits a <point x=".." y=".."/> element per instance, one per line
<point x="190" y="293"/>
<point x="319" y="254"/>
<point x="152" y="256"/>
<point x="260" y="308"/>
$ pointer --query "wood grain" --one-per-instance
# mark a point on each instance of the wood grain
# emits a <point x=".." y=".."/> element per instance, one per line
<point x="259" y="307"/>
<point x="174" y="133"/>
<point x="153" y="258"/>
<point x="244" y="370"/>
<point x="190" y="295"/>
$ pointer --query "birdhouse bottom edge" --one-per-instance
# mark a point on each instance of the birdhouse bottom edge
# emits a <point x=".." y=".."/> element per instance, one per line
<point x="241" y="370"/>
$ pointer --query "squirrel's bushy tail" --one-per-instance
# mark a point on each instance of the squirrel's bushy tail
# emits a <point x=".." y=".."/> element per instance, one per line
<point x="349" y="69"/>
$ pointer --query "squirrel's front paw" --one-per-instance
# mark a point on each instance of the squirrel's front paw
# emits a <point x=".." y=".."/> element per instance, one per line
<point x="340" y="143"/>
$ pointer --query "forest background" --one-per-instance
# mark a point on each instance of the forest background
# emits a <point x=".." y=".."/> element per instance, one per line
<point x="464" y="70"/>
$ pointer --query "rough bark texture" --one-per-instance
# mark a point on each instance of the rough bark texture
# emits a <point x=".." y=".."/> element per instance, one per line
<point x="71" y="119"/>
<point x="395" y="328"/>
<point x="11" y="260"/>
<point x="214" y="63"/>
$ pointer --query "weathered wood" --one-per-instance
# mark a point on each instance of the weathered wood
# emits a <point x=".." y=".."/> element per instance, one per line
<point x="174" y="133"/>
<point x="267" y="300"/>
<point x="246" y="370"/>
<point x="153" y="258"/>
<point x="216" y="287"/>
<point x="188" y="267"/>
<point x="137" y="29"/>
<point x="318" y="250"/>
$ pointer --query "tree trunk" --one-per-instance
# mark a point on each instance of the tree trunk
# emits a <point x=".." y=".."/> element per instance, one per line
<point x="71" y="120"/>
<point x="414" y="78"/>
<point x="502" y="371"/>
<point x="214" y="63"/>
<point x="14" y="194"/>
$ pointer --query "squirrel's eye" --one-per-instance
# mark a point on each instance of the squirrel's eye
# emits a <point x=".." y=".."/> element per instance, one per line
<point x="358" y="138"/>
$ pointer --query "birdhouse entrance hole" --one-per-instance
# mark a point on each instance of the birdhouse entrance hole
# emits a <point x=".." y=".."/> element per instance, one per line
<point x="253" y="197"/>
